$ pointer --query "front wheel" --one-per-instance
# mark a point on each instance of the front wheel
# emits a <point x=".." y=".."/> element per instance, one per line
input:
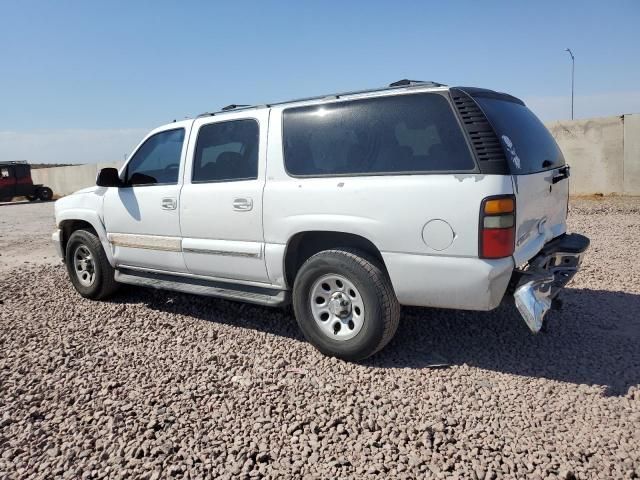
<point x="344" y="304"/>
<point x="88" y="266"/>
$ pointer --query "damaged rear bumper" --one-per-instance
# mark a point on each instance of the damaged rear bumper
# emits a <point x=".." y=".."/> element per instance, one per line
<point x="545" y="275"/>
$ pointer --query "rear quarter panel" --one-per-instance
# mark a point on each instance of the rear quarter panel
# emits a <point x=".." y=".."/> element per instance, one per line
<point x="389" y="210"/>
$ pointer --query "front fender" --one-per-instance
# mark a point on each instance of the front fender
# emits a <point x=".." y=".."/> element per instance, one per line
<point x="93" y="219"/>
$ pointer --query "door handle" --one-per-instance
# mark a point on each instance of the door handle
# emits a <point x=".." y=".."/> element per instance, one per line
<point x="169" y="203"/>
<point x="242" y="204"/>
<point x="563" y="173"/>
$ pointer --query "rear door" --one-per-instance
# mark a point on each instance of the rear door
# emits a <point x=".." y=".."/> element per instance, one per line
<point x="540" y="177"/>
<point x="24" y="185"/>
<point x="221" y="200"/>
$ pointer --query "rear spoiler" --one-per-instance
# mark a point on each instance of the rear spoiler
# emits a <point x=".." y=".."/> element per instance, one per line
<point x="483" y="92"/>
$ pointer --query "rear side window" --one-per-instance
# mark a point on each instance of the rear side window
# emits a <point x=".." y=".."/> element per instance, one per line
<point x="157" y="161"/>
<point x="4" y="173"/>
<point x="395" y="134"/>
<point x="226" y="151"/>
<point x="527" y="144"/>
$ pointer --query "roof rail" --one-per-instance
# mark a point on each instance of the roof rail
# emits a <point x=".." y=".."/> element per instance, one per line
<point x="405" y="82"/>
<point x="233" y="106"/>
<point x="400" y="83"/>
<point x="229" y="108"/>
<point x="14" y="162"/>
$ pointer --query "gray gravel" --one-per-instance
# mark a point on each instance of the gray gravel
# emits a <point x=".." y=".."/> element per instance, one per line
<point x="25" y="235"/>
<point x="156" y="384"/>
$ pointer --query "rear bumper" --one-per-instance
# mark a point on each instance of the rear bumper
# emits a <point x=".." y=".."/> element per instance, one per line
<point x="546" y="275"/>
<point x="56" y="238"/>
<point x="464" y="283"/>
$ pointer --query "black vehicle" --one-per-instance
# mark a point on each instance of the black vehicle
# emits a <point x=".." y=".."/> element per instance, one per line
<point x="15" y="181"/>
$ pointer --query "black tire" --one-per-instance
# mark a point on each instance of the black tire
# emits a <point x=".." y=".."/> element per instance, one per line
<point x="373" y="285"/>
<point x="103" y="283"/>
<point x="31" y="198"/>
<point x="44" y="194"/>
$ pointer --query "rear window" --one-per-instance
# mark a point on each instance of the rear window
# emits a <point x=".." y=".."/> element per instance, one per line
<point x="527" y="143"/>
<point x="397" y="134"/>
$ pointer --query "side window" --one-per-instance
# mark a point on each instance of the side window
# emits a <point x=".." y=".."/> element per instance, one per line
<point x="157" y="161"/>
<point x="394" y="134"/>
<point x="4" y="173"/>
<point x="21" y="171"/>
<point x="226" y="151"/>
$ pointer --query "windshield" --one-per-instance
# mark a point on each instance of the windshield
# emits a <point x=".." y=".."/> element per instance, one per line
<point x="527" y="143"/>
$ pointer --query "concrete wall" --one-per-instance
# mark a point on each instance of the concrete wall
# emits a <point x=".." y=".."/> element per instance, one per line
<point x="631" y="172"/>
<point x="66" y="180"/>
<point x="595" y="150"/>
<point x="604" y="154"/>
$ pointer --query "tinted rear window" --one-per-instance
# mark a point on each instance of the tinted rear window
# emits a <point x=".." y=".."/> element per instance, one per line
<point x="396" y="134"/>
<point x="527" y="143"/>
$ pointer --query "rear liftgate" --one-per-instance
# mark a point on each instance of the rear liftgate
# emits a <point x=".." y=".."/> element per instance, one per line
<point x="545" y="275"/>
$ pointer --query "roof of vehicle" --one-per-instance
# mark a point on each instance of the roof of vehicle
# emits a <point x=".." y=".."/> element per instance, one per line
<point x="400" y="85"/>
<point x="14" y="162"/>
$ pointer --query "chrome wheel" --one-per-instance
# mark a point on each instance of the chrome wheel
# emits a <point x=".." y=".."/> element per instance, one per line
<point x="337" y="307"/>
<point x="83" y="265"/>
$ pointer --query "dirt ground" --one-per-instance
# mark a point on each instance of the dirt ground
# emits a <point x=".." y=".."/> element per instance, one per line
<point x="155" y="384"/>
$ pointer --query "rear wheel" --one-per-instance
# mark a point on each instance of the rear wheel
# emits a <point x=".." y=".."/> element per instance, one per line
<point x="88" y="266"/>
<point x="344" y="304"/>
<point x="44" y="194"/>
<point x="31" y="198"/>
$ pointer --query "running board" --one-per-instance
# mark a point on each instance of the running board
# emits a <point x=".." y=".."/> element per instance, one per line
<point x="211" y="288"/>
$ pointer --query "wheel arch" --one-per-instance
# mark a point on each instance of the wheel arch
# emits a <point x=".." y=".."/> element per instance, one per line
<point x="303" y="245"/>
<point x="70" y="221"/>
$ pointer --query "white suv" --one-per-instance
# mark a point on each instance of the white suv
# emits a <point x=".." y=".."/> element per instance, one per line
<point x="348" y="205"/>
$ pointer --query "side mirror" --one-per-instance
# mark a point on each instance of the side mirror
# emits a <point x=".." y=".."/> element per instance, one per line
<point x="108" y="177"/>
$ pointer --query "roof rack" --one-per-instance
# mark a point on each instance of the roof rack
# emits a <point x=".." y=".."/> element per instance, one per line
<point x="399" y="84"/>
<point x="14" y="162"/>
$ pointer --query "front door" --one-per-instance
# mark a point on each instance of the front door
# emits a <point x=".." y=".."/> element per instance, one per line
<point x="221" y="200"/>
<point x="7" y="183"/>
<point x="142" y="217"/>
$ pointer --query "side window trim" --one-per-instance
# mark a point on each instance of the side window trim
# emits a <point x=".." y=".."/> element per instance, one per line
<point x="195" y="152"/>
<point x="125" y="169"/>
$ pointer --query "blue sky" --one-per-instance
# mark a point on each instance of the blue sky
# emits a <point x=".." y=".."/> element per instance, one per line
<point x="83" y="81"/>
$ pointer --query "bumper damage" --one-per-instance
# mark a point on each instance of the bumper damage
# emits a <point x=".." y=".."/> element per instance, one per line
<point x="546" y="275"/>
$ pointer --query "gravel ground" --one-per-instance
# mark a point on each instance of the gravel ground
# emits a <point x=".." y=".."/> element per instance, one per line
<point x="25" y="234"/>
<point x="156" y="384"/>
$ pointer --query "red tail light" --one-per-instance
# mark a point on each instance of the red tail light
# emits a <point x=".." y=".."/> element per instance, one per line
<point x="497" y="226"/>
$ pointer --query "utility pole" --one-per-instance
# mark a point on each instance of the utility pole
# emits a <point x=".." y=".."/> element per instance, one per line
<point x="573" y="65"/>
